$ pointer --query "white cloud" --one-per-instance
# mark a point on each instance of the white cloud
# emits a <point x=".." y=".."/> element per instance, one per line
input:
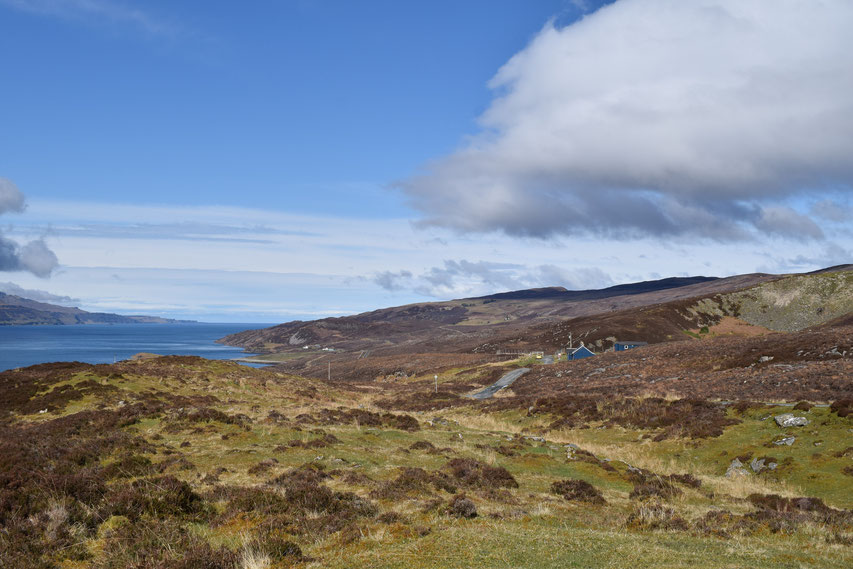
<point x="463" y="278"/>
<point x="244" y="265"/>
<point x="34" y="257"/>
<point x="654" y="117"/>
<point x="11" y="198"/>
<point x="38" y="295"/>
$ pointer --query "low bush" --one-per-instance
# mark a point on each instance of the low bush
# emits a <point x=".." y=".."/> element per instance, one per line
<point x="842" y="407"/>
<point x="577" y="490"/>
<point x="413" y="481"/>
<point x="461" y="507"/>
<point x="472" y="473"/>
<point x="162" y="497"/>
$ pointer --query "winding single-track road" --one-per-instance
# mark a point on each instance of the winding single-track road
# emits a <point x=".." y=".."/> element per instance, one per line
<point x="505" y="381"/>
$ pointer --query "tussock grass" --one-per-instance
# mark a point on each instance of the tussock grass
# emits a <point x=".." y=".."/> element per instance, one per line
<point x="376" y="495"/>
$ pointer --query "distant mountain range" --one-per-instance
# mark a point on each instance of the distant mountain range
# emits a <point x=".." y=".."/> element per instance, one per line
<point x="549" y="318"/>
<point x="19" y="311"/>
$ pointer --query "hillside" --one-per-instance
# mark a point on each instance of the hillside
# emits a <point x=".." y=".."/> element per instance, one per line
<point x="19" y="311"/>
<point x="460" y="325"/>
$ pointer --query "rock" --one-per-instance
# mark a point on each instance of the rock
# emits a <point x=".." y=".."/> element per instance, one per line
<point x="763" y="359"/>
<point x="757" y="465"/>
<point x="785" y="441"/>
<point x="534" y="438"/>
<point x="772" y="465"/>
<point x="790" y="420"/>
<point x="736" y="468"/>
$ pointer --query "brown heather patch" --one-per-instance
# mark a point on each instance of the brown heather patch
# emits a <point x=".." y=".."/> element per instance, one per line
<point x="186" y="418"/>
<point x="461" y="507"/>
<point x="686" y="418"/>
<point x="411" y="482"/>
<point x="362" y="417"/>
<point x="472" y="473"/>
<point x="577" y="490"/>
<point x="842" y="408"/>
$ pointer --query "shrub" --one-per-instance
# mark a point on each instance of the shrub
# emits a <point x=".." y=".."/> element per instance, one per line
<point x="461" y="507"/>
<point x="161" y="497"/>
<point x="422" y="445"/>
<point x="842" y="408"/>
<point x="577" y="490"/>
<point x="263" y="466"/>
<point x="413" y="481"/>
<point x="475" y="474"/>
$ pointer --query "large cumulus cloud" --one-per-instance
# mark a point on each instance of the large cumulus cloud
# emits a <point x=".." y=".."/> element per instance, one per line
<point x="713" y="118"/>
<point x="34" y="257"/>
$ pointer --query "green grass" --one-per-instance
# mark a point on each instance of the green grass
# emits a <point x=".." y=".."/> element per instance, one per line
<point x="552" y="542"/>
<point x="523" y="527"/>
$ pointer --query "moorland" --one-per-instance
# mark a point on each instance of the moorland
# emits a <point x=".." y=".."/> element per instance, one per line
<point x="727" y="441"/>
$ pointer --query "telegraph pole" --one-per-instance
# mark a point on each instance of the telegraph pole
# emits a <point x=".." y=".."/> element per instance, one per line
<point x="330" y="371"/>
<point x="436" y="383"/>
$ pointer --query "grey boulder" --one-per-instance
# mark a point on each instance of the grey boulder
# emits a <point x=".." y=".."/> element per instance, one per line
<point x="790" y="420"/>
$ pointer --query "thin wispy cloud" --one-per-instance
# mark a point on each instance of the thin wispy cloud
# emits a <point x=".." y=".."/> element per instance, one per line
<point x="98" y="13"/>
<point x="282" y="266"/>
<point x="38" y="295"/>
<point x="459" y="278"/>
<point x="659" y="118"/>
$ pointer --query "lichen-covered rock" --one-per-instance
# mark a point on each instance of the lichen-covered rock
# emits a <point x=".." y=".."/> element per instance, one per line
<point x="736" y="468"/>
<point x="790" y="420"/>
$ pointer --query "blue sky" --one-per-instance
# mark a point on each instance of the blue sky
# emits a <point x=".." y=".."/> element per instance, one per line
<point x="276" y="160"/>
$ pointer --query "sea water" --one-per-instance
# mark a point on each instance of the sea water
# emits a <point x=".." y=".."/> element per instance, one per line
<point x="105" y="343"/>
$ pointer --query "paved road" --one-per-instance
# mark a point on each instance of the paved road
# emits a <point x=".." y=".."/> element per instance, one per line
<point x="505" y="381"/>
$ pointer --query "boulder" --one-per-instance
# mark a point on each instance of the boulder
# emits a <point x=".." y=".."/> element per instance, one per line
<point x="790" y="420"/>
<point x="736" y="468"/>
<point x="785" y="441"/>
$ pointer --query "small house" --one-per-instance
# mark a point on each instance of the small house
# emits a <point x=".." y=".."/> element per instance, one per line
<point x="579" y="353"/>
<point x="622" y="346"/>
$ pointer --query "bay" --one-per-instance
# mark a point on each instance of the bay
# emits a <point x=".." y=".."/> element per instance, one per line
<point x="22" y="346"/>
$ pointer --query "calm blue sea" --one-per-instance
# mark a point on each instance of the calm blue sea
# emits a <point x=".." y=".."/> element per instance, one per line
<point x="104" y="343"/>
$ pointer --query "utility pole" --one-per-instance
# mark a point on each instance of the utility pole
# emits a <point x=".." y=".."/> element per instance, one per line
<point x="436" y="383"/>
<point x="330" y="371"/>
<point x="570" y="340"/>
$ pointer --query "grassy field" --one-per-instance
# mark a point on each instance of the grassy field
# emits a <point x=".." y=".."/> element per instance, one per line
<point x="182" y="462"/>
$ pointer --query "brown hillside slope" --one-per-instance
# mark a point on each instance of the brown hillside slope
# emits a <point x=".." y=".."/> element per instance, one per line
<point x="461" y="325"/>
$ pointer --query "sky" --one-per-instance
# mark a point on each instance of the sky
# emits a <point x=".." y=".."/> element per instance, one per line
<point x="276" y="160"/>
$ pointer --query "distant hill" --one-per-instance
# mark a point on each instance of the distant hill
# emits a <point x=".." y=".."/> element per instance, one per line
<point x="561" y="293"/>
<point x="19" y="311"/>
<point x="391" y="340"/>
<point x="509" y="318"/>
